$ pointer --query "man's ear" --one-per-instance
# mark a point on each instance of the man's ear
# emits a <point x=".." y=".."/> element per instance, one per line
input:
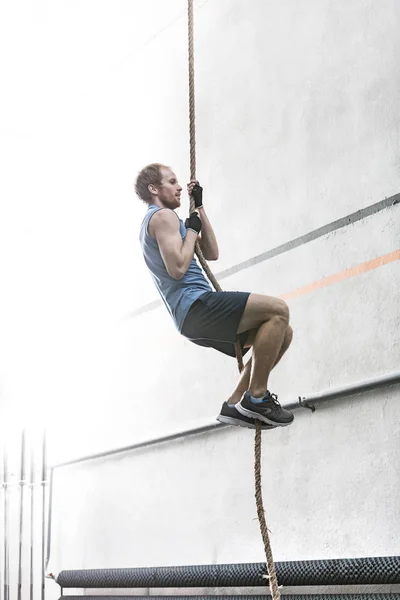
<point x="152" y="189"/>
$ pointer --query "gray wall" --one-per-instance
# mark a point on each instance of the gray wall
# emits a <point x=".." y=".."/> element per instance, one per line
<point x="297" y="125"/>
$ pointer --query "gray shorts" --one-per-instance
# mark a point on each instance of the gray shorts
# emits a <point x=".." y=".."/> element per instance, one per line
<point x="213" y="321"/>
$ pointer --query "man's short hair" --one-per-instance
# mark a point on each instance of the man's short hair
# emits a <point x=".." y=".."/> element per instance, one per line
<point x="150" y="175"/>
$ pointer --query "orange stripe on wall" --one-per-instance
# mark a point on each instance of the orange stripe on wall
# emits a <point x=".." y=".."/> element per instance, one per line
<point x="352" y="272"/>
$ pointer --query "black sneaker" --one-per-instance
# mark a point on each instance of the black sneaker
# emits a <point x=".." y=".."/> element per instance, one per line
<point x="268" y="411"/>
<point x="231" y="416"/>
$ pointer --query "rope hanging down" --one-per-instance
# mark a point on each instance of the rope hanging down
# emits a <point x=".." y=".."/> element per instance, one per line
<point x="272" y="579"/>
<point x="192" y="132"/>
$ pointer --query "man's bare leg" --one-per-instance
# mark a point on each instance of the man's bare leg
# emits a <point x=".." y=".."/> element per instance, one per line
<point x="287" y="340"/>
<point x="243" y="384"/>
<point x="270" y="317"/>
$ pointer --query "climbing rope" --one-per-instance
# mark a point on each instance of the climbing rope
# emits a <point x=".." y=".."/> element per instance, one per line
<point x="192" y="143"/>
<point x="272" y="580"/>
<point x="192" y="130"/>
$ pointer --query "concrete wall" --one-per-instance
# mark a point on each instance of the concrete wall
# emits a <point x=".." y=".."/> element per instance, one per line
<point x="297" y="125"/>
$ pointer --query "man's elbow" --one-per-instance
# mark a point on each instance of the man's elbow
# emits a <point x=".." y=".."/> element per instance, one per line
<point x="212" y="256"/>
<point x="176" y="273"/>
<point x="210" y="251"/>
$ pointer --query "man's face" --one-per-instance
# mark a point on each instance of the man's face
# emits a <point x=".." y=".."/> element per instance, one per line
<point x="169" y="192"/>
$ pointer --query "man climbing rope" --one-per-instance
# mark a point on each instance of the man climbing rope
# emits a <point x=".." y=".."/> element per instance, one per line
<point x="213" y="319"/>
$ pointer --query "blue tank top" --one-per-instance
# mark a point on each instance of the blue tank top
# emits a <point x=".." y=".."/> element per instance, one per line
<point x="178" y="295"/>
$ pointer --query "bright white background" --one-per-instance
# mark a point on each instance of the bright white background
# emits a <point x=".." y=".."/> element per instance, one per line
<point x="73" y="126"/>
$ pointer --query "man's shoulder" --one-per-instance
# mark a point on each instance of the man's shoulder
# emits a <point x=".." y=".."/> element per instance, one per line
<point x="161" y="218"/>
<point x="165" y="215"/>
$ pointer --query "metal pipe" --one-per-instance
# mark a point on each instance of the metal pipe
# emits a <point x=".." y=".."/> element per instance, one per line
<point x="43" y="482"/>
<point x="347" y="390"/>
<point x="21" y="514"/>
<point x="303" y="402"/>
<point x="32" y="530"/>
<point x="49" y="521"/>
<point x="2" y="525"/>
<point x="165" y="438"/>
<point x="6" y="526"/>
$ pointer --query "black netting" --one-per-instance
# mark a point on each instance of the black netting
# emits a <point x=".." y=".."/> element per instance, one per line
<point x="353" y="571"/>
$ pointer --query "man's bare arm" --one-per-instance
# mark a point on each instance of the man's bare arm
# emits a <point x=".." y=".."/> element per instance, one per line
<point x="177" y="255"/>
<point x="207" y="240"/>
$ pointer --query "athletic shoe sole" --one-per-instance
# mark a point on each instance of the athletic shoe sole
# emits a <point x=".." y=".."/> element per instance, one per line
<point x="255" y="415"/>
<point x="237" y="422"/>
<point x="232" y="421"/>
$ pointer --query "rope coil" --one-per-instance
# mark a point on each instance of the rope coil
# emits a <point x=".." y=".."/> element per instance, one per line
<point x="272" y="579"/>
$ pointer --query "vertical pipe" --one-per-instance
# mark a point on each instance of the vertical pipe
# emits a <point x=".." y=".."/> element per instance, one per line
<point x="49" y="518"/>
<point x="6" y="543"/>
<point x="32" y="531"/>
<point x="44" y="481"/>
<point x="21" y="514"/>
<point x="2" y="528"/>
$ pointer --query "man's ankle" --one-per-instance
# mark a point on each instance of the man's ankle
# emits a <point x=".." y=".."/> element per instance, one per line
<point x="257" y="392"/>
<point x="233" y="400"/>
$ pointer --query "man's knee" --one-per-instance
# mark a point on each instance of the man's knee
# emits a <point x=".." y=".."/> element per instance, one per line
<point x="288" y="335"/>
<point x="275" y="307"/>
<point x="282" y="310"/>
<point x="260" y="309"/>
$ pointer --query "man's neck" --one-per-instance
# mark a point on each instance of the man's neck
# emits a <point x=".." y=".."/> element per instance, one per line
<point x="158" y="202"/>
